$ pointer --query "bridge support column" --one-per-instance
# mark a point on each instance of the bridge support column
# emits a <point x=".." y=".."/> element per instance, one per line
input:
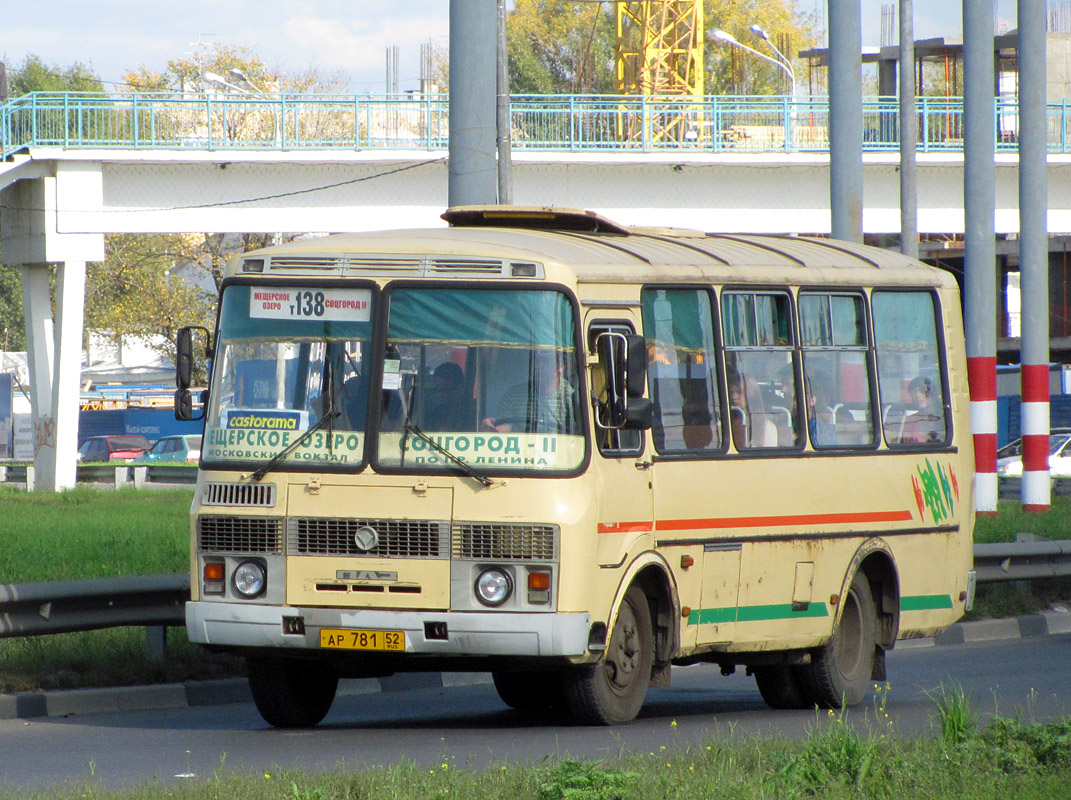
<point x="30" y="223"/>
<point x="54" y="353"/>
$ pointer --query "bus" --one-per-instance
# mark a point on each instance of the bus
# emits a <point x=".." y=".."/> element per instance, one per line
<point x="573" y="454"/>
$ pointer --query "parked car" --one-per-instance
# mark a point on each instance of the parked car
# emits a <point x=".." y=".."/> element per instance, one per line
<point x="168" y="449"/>
<point x="113" y="448"/>
<point x="1010" y="456"/>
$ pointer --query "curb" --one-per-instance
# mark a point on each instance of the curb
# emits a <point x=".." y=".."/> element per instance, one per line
<point x="71" y="702"/>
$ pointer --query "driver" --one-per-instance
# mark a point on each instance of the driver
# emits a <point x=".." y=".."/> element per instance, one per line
<point x="547" y="402"/>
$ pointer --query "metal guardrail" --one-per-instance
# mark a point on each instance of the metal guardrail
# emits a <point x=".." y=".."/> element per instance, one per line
<point x="154" y="601"/>
<point x="157" y="602"/>
<point x="1022" y="561"/>
<point x="118" y="476"/>
<point x="608" y="123"/>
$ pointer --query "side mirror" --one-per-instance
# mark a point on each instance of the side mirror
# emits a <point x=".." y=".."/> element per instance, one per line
<point x="184" y="365"/>
<point x="623" y="358"/>
<point x="635" y="365"/>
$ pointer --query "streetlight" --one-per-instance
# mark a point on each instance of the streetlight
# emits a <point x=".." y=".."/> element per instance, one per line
<point x="212" y="77"/>
<point x="240" y="76"/>
<point x="725" y="36"/>
<point x="758" y="31"/>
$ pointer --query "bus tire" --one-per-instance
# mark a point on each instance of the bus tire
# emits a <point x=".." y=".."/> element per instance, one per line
<point x="530" y="690"/>
<point x="613" y="689"/>
<point x="840" y="672"/>
<point x="291" y="693"/>
<point x="781" y="687"/>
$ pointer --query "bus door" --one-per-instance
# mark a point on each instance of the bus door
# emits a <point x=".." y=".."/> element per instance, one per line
<point x="688" y="437"/>
<point x="623" y="469"/>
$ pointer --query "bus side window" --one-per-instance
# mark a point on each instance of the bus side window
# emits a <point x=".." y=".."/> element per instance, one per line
<point x="910" y="368"/>
<point x="760" y="370"/>
<point x="682" y="375"/>
<point x="836" y="370"/>
<point x="612" y="443"/>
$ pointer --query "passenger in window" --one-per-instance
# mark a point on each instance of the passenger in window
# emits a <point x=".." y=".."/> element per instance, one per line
<point x="446" y="406"/>
<point x="820" y="421"/>
<point x="927" y="424"/>
<point x="545" y="404"/>
<point x="740" y="417"/>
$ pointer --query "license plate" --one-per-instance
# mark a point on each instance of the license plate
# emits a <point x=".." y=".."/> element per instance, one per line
<point x="349" y="639"/>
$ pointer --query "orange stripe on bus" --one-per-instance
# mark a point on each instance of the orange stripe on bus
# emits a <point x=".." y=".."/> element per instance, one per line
<point x="783" y="521"/>
<point x="625" y="527"/>
<point x="756" y="522"/>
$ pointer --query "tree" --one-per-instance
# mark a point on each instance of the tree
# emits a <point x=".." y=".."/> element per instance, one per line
<point x="12" y="321"/>
<point x="568" y="47"/>
<point x="33" y="75"/>
<point x="730" y="70"/>
<point x="561" y="47"/>
<point x="133" y="294"/>
<point x="187" y="74"/>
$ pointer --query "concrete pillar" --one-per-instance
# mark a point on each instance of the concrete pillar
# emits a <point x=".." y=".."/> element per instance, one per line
<point x="67" y="375"/>
<point x="33" y="213"/>
<point x="40" y="358"/>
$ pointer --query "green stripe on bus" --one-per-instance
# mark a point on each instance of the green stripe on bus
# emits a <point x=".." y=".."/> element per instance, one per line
<point x="925" y="602"/>
<point x="706" y="616"/>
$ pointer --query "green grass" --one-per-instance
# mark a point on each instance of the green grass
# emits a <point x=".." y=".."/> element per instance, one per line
<point x="112" y="657"/>
<point x="94" y="533"/>
<point x="90" y="533"/>
<point x="1010" y="520"/>
<point x="839" y="758"/>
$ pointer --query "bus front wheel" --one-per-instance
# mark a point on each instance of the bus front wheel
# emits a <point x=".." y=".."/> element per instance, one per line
<point x="291" y="693"/>
<point x="530" y="690"/>
<point x="612" y="690"/>
<point x="840" y="672"/>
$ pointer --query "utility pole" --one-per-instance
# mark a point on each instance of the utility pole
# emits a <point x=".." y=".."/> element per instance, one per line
<point x="473" y="92"/>
<point x="1034" y="255"/>
<point x="845" y="120"/>
<point x="979" y="270"/>
<point x="909" y="133"/>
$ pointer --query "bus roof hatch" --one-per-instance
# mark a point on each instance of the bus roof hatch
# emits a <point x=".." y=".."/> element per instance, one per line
<point x="531" y="217"/>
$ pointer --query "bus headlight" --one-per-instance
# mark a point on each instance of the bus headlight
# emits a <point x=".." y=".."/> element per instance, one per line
<point x="494" y="586"/>
<point x="250" y="579"/>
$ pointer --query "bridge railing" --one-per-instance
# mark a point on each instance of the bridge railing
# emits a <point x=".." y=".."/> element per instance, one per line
<point x="539" y="122"/>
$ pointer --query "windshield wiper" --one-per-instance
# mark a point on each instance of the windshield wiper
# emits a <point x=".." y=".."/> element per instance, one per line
<point x="269" y="465"/>
<point x="413" y="429"/>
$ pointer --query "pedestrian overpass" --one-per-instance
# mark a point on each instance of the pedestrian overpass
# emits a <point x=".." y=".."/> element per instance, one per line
<point x="75" y="167"/>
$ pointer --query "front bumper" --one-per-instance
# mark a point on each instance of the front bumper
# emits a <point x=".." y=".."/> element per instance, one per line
<point x="470" y="633"/>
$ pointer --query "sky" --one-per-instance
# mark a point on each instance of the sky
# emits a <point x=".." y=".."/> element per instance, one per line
<point x="350" y="36"/>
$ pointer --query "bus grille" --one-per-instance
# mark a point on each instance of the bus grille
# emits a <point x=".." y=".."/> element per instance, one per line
<point x="239" y="535"/>
<point x="239" y="494"/>
<point x="397" y="538"/>
<point x="506" y="542"/>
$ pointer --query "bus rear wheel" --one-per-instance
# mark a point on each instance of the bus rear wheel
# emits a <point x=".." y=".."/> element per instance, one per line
<point x="840" y="672"/>
<point x="781" y="687"/>
<point x="530" y="690"/>
<point x="291" y="693"/>
<point x="613" y="690"/>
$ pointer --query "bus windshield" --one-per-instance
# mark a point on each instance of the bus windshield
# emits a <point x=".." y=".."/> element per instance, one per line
<point x="289" y="360"/>
<point x="488" y="375"/>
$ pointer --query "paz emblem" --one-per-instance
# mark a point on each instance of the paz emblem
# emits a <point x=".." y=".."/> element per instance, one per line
<point x="366" y="538"/>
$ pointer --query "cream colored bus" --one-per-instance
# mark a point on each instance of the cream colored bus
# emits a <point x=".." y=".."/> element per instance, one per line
<point x="573" y="454"/>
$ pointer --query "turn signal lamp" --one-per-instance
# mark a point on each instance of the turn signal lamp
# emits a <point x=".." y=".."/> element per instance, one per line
<point x="214" y="575"/>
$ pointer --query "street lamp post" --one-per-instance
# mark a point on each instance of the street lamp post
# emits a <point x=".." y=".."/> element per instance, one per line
<point x="784" y="65"/>
<point x="238" y="75"/>
<point x="758" y="31"/>
<point x="725" y="36"/>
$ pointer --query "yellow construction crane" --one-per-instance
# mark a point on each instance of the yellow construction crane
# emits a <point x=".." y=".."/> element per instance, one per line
<point x="660" y="53"/>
